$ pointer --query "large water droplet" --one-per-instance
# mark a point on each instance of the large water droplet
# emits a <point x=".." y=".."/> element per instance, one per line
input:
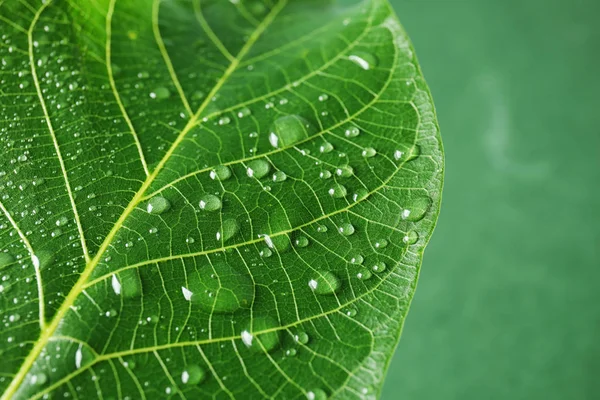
<point x="259" y="341"/>
<point x="229" y="228"/>
<point x="301" y="241"/>
<point x="210" y="202"/>
<point x="364" y="274"/>
<point x="289" y="130"/>
<point x="325" y="283"/>
<point x="158" y="205"/>
<point x="221" y="288"/>
<point x="351" y="132"/>
<point x="193" y="375"/>
<point x="369" y="152"/>
<point x="379" y="266"/>
<point x="326" y="147"/>
<point x="220" y="172"/>
<point x="258" y="168"/>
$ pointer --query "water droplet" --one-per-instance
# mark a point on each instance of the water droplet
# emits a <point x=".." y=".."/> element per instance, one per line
<point x="42" y="259"/>
<point x="337" y="191"/>
<point x="346" y="229"/>
<point x="291" y="352"/>
<point x="187" y="293"/>
<point x="6" y="259"/>
<point x="325" y="283"/>
<point x="360" y="194"/>
<point x="322" y="228"/>
<point x="193" y="375"/>
<point x="279" y="176"/>
<point x="411" y="237"/>
<point x="259" y="341"/>
<point x="323" y="97"/>
<point x="326" y="147"/>
<point x="301" y="241"/>
<point x="381" y="244"/>
<point x="414" y="152"/>
<point x="398" y="154"/>
<point x="417" y="209"/>
<point x="344" y="171"/>
<point x="279" y="242"/>
<point x="157" y="205"/>
<point x="357" y="259"/>
<point x="325" y="174"/>
<point x="301" y="337"/>
<point x="316" y="394"/>
<point x="351" y="132"/>
<point x="160" y="93"/>
<point x="351" y="312"/>
<point x="221" y="288"/>
<point x="220" y="173"/>
<point x="379" y="266"/>
<point x="289" y="130"/>
<point x="224" y="120"/>
<point x="83" y="356"/>
<point x="369" y="152"/>
<point x="39" y="378"/>
<point x="116" y="284"/>
<point x="229" y="228"/>
<point x="244" y="112"/>
<point x="363" y="59"/>
<point x="266" y="252"/>
<point x="62" y="221"/>
<point x="258" y="168"/>
<point x="364" y="274"/>
<point x="210" y="202"/>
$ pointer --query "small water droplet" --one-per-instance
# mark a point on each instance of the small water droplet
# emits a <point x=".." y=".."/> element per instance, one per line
<point x="230" y="228"/>
<point x="301" y="241"/>
<point x="351" y="132"/>
<point x="220" y="173"/>
<point x="258" y="168"/>
<point x="291" y="352"/>
<point x="323" y="97"/>
<point x="398" y="154"/>
<point x="244" y="112"/>
<point x="210" y="202"/>
<point x="258" y="341"/>
<point x="279" y="176"/>
<point x="351" y="312"/>
<point x="289" y="130"/>
<point x="364" y="274"/>
<point x="193" y="375"/>
<point x="322" y="228"/>
<point x="363" y="59"/>
<point x="344" y="171"/>
<point x="157" y="205"/>
<point x="6" y="259"/>
<point x="337" y="191"/>
<point x="417" y="210"/>
<point x="221" y="288"/>
<point x="301" y="337"/>
<point x="346" y="229"/>
<point x="369" y="152"/>
<point x="357" y="259"/>
<point x="379" y="266"/>
<point x="316" y="394"/>
<point x="325" y="283"/>
<point x="224" y="120"/>
<point x="326" y="147"/>
<point x="266" y="252"/>
<point x="160" y="93"/>
<point x="62" y="221"/>
<point x="411" y="237"/>
<point x="325" y="174"/>
<point x="39" y="378"/>
<point x="381" y="244"/>
<point x="360" y="194"/>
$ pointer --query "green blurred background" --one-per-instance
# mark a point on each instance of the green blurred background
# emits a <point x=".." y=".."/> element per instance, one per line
<point x="508" y="304"/>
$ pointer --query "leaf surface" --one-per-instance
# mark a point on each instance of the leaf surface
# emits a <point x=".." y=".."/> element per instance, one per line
<point x="209" y="199"/>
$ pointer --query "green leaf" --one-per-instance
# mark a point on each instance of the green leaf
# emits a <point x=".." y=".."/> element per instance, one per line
<point x="209" y="199"/>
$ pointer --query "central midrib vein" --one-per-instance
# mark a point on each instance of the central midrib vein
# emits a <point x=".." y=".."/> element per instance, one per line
<point x="91" y="265"/>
